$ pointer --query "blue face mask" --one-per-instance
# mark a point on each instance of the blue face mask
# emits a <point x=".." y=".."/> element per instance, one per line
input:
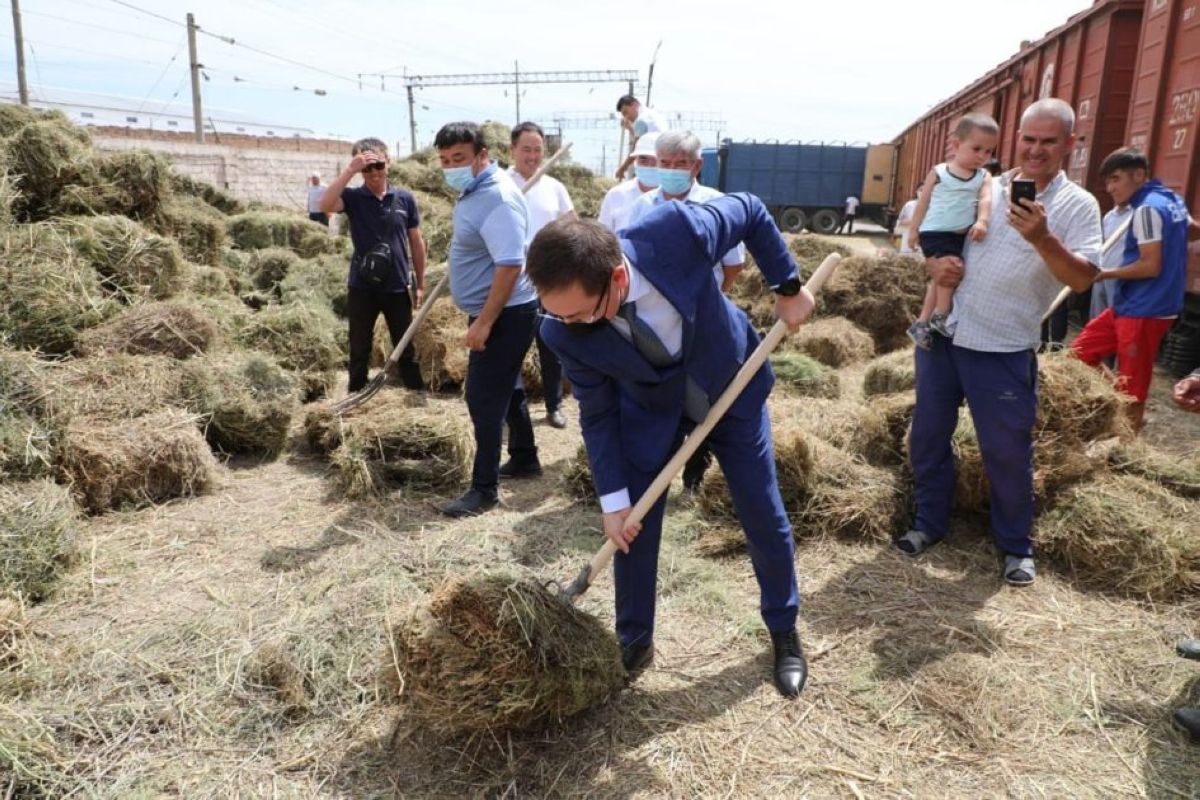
<point x="647" y="176"/>
<point x="674" y="181"/>
<point x="459" y="178"/>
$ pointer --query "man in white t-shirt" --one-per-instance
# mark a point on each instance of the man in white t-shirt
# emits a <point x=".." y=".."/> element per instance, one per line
<point x="638" y="120"/>
<point x="903" y="225"/>
<point x="547" y="201"/>
<point x="679" y="163"/>
<point x="315" y="192"/>
<point x="619" y="201"/>
<point x="848" y="215"/>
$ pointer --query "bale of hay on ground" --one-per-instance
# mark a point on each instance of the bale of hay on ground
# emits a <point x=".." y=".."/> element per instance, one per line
<point x="793" y="469"/>
<point x="847" y="497"/>
<point x="393" y="440"/>
<point x="26" y="445"/>
<point x="194" y="188"/>
<point x="437" y="226"/>
<point x="246" y="399"/>
<point x="256" y="230"/>
<point x="1126" y="534"/>
<point x="810" y="250"/>
<point x="45" y="156"/>
<point x="227" y="312"/>
<point x="131" y="183"/>
<point x="896" y="411"/>
<point x="38" y="528"/>
<point x="151" y="459"/>
<point x="48" y="294"/>
<point x="417" y="176"/>
<point x="114" y="387"/>
<point x="130" y="259"/>
<point x="441" y="347"/>
<point x="805" y="376"/>
<point x="22" y="381"/>
<point x="320" y="280"/>
<point x="1178" y="474"/>
<point x="307" y="340"/>
<point x="173" y="329"/>
<point x="752" y="294"/>
<point x="576" y="479"/>
<point x="889" y="374"/>
<point x="856" y="428"/>
<point x="212" y="281"/>
<point x="834" y="341"/>
<point x="269" y="266"/>
<point x="1076" y="403"/>
<point x="14" y="117"/>
<point x="881" y="295"/>
<point x="198" y="228"/>
<point x="496" y="653"/>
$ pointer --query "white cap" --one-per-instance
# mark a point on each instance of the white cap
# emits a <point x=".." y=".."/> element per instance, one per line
<point x="645" y="145"/>
<point x="315" y="174"/>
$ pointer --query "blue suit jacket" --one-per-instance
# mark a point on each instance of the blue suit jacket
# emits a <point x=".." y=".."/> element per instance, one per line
<point x="629" y="410"/>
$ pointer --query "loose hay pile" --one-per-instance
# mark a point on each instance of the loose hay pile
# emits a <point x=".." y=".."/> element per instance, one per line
<point x="810" y="251"/>
<point x="441" y="347"/>
<point x="386" y="444"/>
<point x="1077" y="403"/>
<point x="114" y="387"/>
<point x="793" y="468"/>
<point x="307" y="339"/>
<point x="172" y="328"/>
<point x="576" y="480"/>
<point x="256" y="230"/>
<point x="148" y="460"/>
<point x="881" y="295"/>
<point x="497" y="653"/>
<point x="38" y="523"/>
<point x="805" y="376"/>
<point x="131" y="259"/>
<point x="834" y="341"/>
<point x="247" y="401"/>
<point x="889" y="374"/>
<point x="859" y="429"/>
<point x="1179" y="475"/>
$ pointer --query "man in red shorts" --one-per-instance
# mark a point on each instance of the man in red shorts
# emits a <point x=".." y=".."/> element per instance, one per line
<point x="1150" y="284"/>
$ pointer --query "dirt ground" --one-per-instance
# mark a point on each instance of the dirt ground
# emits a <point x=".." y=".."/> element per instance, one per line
<point x="228" y="647"/>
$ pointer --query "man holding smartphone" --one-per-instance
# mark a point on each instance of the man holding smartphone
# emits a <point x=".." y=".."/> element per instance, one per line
<point x="1011" y="277"/>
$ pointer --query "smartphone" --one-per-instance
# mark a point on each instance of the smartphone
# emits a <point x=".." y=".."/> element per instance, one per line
<point x="1022" y="190"/>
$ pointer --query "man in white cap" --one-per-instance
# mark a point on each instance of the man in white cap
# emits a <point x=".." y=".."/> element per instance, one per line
<point x="315" y="191"/>
<point x="618" y="202"/>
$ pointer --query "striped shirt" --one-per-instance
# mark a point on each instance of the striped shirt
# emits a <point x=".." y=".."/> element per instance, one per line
<point x="1006" y="286"/>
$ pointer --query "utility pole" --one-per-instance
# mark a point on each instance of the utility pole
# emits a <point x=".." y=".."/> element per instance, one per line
<point x="197" y="114"/>
<point x="19" y="38"/>
<point x="412" y="120"/>
<point x="517" y="89"/>
<point x="604" y="158"/>
<point x="650" y="77"/>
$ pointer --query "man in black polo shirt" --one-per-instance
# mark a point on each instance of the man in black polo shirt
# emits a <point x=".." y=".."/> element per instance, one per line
<point x="385" y="229"/>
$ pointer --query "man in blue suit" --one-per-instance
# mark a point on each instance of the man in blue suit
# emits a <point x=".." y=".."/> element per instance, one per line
<point x="649" y="343"/>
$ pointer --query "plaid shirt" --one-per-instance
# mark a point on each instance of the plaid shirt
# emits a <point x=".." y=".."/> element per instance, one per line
<point x="1007" y="287"/>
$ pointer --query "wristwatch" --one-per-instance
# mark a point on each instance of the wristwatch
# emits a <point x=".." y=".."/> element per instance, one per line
<point x="788" y="288"/>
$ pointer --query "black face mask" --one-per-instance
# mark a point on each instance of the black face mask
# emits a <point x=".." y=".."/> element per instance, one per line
<point x="586" y="328"/>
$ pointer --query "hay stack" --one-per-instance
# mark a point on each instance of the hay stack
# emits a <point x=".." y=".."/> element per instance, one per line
<point x="391" y="442"/>
<point x="576" y="480"/>
<point x="22" y="381"/>
<point x="194" y="188"/>
<point x="1177" y="474"/>
<point x="751" y="294"/>
<point x="46" y="156"/>
<point x="147" y="460"/>
<point x="171" y="329"/>
<point x="881" y="295"/>
<point x="269" y="266"/>
<point x="896" y="411"/>
<point x="1123" y="533"/>
<point x="38" y="525"/>
<point x="210" y="281"/>
<point x="307" y="340"/>
<point x="834" y="341"/>
<point x="810" y="250"/>
<point x="197" y="227"/>
<point x="847" y="497"/>
<point x="320" y="281"/>
<point x="441" y="347"/>
<point x="498" y="653"/>
<point x="854" y="427"/>
<point x="805" y="376"/>
<point x="131" y="183"/>
<point x="26" y="445"/>
<point x="889" y="374"/>
<point x="256" y="230"/>
<point x="115" y="387"/>
<point x="418" y="176"/>
<point x="1077" y="403"/>
<point x="48" y="294"/>
<point x="246" y="399"/>
<point x="437" y="225"/>
<point x="793" y="468"/>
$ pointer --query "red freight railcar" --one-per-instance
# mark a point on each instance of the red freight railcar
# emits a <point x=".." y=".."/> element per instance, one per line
<point x="1164" y="115"/>
<point x="1089" y="62"/>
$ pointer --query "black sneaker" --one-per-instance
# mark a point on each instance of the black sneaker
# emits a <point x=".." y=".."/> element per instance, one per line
<point x="516" y="469"/>
<point x="471" y="504"/>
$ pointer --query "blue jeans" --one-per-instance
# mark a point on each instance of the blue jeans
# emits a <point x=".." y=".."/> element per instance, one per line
<point x="1001" y="392"/>
<point x="491" y="400"/>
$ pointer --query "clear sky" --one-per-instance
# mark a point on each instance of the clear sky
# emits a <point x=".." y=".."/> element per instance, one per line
<point x="846" y="71"/>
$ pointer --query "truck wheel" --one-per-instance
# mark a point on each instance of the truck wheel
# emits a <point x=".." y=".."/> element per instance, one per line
<point x="825" y="221"/>
<point x="792" y="219"/>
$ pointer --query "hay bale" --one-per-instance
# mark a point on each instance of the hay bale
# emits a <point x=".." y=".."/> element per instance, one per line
<point x="1126" y="534"/>
<point x="171" y="329"/>
<point x="48" y="294"/>
<point x="246" y="399"/>
<point x="417" y="176"/>
<point x="14" y="627"/>
<point x="307" y="340"/>
<point x="805" y="376"/>
<point x="44" y="156"/>
<point x="271" y="265"/>
<point x="583" y="187"/>
<point x="198" y="228"/>
<point x="1179" y="475"/>
<point x="493" y="653"/>
<point x="26" y="446"/>
<point x="319" y="280"/>
<point x="896" y="411"/>
<point x="576" y="479"/>
<point x="810" y="250"/>
<point x="22" y="381"/>
<point x="195" y="188"/>
<point x="131" y="183"/>
<point x="752" y="294"/>
<point x="793" y="467"/>
<point x="38" y="527"/>
<point x="437" y="226"/>
<point x="256" y="230"/>
<point x="227" y="312"/>
<point x="14" y="117"/>
<point x="151" y="459"/>
<point x="847" y="497"/>
<point x="1076" y="403"/>
<point x="856" y="428"/>
<point x="388" y="443"/>
<point x="113" y="388"/>
<point x="834" y="341"/>
<point x="441" y="347"/>
<point x="890" y="374"/>
<point x="212" y="281"/>
<point x="881" y="295"/>
<point x="129" y="257"/>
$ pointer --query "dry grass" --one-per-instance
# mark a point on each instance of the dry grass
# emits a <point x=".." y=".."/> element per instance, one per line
<point x="804" y="376"/>
<point x="834" y="341"/>
<point x="246" y="399"/>
<point x="132" y="261"/>
<point x="38" y="528"/>
<point x="881" y="295"/>
<point x="174" y="329"/>
<point x="890" y="374"/>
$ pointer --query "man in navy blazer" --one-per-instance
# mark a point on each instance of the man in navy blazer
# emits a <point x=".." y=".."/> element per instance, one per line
<point x="649" y="342"/>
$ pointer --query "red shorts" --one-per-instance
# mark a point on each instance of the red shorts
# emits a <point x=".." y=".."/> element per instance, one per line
<point x="1133" y="340"/>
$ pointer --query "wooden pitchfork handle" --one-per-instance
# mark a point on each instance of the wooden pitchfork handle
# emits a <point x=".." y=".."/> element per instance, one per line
<point x="369" y="391"/>
<point x="600" y="561"/>
<point x="1118" y="234"/>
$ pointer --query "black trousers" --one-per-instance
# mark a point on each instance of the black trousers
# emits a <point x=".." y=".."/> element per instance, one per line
<point x="317" y="216"/>
<point x="363" y="307"/>
<point x="847" y="219"/>
<point x="552" y="373"/>
<point x="492" y="401"/>
<point x="1054" y="330"/>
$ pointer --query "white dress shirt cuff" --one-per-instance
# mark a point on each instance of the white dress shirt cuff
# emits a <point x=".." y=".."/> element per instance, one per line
<point x="615" y="501"/>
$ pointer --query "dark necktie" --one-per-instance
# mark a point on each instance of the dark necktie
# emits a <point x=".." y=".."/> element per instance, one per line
<point x="651" y="348"/>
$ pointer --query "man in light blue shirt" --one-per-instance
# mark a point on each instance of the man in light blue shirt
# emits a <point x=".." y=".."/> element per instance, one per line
<point x="488" y="283"/>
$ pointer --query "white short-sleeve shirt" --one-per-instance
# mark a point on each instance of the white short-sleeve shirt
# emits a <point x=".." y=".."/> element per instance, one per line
<point x="547" y="200"/>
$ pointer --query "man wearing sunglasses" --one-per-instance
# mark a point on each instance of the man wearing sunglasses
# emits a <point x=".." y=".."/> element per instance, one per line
<point x="385" y="229"/>
<point x="649" y="342"/>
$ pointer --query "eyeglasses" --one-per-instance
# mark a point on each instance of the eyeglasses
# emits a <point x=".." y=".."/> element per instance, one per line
<point x="588" y="320"/>
<point x="372" y="167"/>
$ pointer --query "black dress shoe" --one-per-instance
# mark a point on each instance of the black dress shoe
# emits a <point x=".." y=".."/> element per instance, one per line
<point x="791" y="670"/>
<point x="517" y="469"/>
<point x="471" y="504"/>
<point x="1188" y="721"/>
<point x="636" y="657"/>
<point x="1189" y="648"/>
<point x="556" y="418"/>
